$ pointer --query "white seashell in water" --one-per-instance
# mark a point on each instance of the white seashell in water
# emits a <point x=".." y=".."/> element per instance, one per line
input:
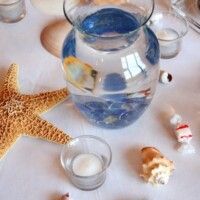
<point x="52" y="37"/>
<point x="51" y="7"/>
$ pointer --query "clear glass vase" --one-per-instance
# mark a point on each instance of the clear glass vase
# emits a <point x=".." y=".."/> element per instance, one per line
<point x="110" y="59"/>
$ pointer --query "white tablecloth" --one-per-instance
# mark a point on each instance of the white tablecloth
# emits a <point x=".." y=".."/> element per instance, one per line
<point x="32" y="170"/>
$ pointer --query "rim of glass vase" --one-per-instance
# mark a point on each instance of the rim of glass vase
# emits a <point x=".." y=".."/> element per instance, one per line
<point x="109" y="37"/>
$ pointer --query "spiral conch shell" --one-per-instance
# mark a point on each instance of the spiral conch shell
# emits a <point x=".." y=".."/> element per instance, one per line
<point x="156" y="168"/>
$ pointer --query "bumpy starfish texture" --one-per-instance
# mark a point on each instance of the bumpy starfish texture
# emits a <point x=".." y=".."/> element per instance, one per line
<point x="19" y="114"/>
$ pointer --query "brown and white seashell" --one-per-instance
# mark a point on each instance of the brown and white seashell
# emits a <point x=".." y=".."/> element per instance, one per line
<point x="52" y="37"/>
<point x="50" y="7"/>
<point x="156" y="168"/>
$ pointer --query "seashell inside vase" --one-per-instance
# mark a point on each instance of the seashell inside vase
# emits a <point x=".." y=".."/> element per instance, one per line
<point x="53" y="35"/>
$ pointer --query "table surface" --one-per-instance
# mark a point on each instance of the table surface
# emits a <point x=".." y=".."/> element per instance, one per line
<point x="31" y="170"/>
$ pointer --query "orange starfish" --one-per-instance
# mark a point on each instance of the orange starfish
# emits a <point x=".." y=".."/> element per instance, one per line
<point x="19" y="113"/>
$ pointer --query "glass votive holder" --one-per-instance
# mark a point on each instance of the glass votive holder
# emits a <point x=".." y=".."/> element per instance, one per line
<point x="12" y="10"/>
<point x="170" y="28"/>
<point x="86" y="159"/>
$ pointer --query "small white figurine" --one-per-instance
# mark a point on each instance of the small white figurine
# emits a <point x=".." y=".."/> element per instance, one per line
<point x="183" y="134"/>
<point x="165" y="77"/>
<point x="175" y="119"/>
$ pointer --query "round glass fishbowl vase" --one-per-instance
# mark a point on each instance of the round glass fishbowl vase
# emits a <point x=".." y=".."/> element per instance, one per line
<point x="110" y="59"/>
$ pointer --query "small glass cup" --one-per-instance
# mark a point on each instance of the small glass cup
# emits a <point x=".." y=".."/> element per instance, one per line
<point x="87" y="145"/>
<point x="12" y="10"/>
<point x="170" y="28"/>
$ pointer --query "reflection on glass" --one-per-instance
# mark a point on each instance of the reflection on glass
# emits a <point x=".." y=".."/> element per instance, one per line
<point x="133" y="65"/>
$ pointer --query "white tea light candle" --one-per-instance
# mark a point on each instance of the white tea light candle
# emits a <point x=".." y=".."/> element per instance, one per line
<point x="170" y="28"/>
<point x="86" y="165"/>
<point x="86" y="159"/>
<point x="169" y="42"/>
<point x="167" y="34"/>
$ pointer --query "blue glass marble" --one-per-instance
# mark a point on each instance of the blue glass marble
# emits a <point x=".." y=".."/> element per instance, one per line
<point x="110" y="114"/>
<point x="114" y="82"/>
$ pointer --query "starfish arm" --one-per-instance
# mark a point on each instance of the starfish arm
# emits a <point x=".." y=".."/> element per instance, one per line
<point x="44" y="101"/>
<point x="10" y="82"/>
<point x="6" y="141"/>
<point x="39" y="128"/>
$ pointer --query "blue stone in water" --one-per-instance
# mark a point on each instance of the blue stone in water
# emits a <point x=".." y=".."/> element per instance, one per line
<point x="83" y="107"/>
<point x="98" y="115"/>
<point x="114" y="82"/>
<point x="95" y="105"/>
<point x="115" y="105"/>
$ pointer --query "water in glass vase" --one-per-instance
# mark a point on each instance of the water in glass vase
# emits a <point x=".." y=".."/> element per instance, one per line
<point x="116" y="62"/>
